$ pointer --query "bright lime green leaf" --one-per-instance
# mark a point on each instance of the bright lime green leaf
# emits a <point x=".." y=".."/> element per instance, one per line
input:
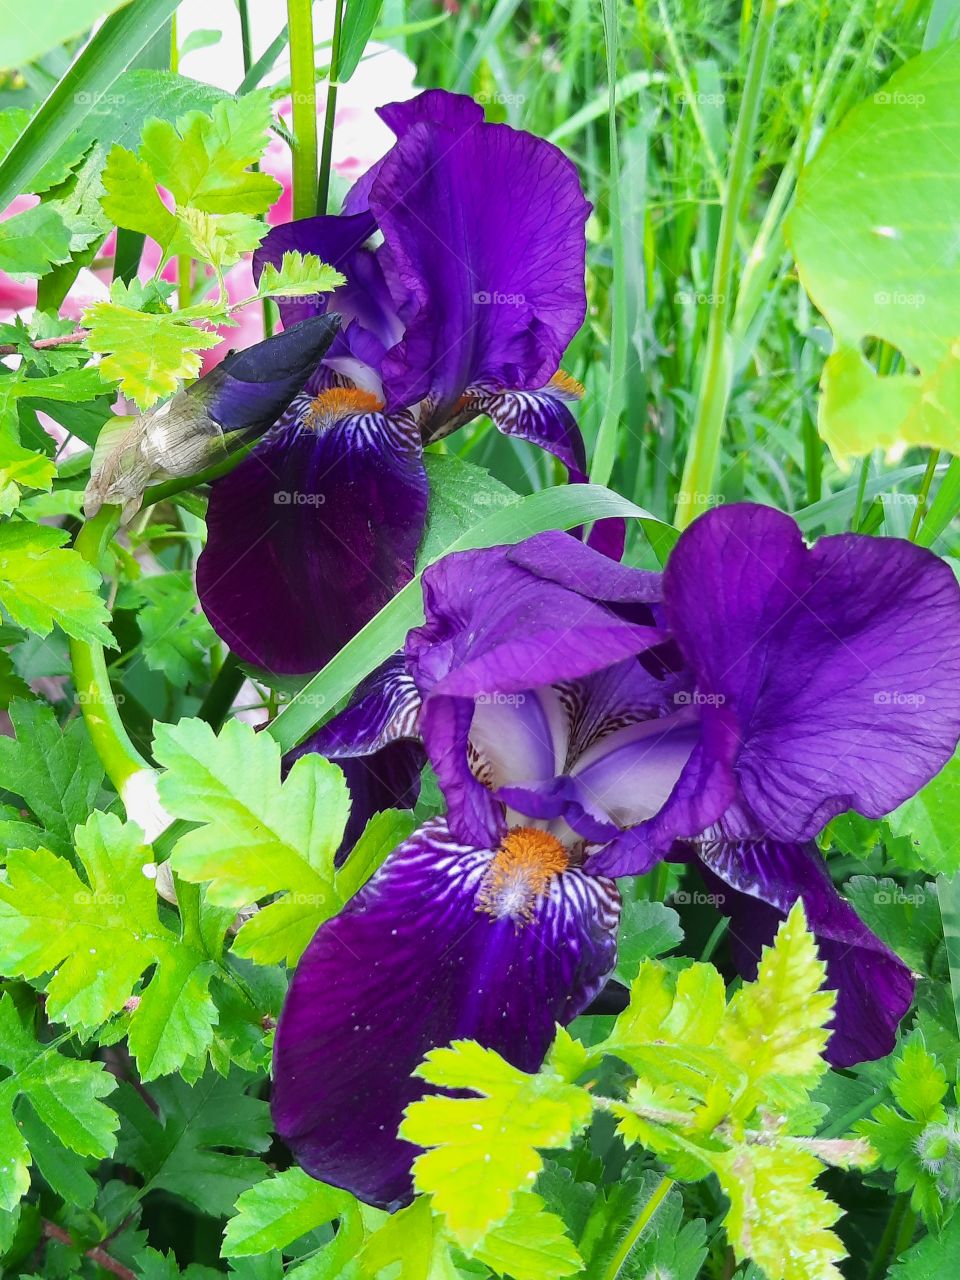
<point x="260" y="837"/>
<point x="42" y="584"/>
<point x="149" y="354"/>
<point x="930" y="821"/>
<point x="33" y="241"/>
<point x="774" y="1027"/>
<point x="531" y="1244"/>
<point x="65" y="1095"/>
<point x="220" y="238"/>
<point x="57" y="772"/>
<point x="131" y="198"/>
<point x="97" y="937"/>
<point x="777" y="1216"/>
<point x="380" y="837"/>
<point x="876" y="269"/>
<point x="298" y="276"/>
<point x="278" y="1211"/>
<point x="21" y="469"/>
<point x="412" y="1239"/>
<point x="484" y="1149"/>
<point x="204" y="161"/>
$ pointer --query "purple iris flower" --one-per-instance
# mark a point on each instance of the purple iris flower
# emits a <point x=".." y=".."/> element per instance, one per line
<point x="586" y="720"/>
<point x="464" y="307"/>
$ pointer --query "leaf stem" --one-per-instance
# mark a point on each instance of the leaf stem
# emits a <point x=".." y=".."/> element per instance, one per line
<point x="924" y="494"/>
<point x="120" y="758"/>
<point x="703" y="454"/>
<point x="222" y="692"/>
<point x="660" y="1193"/>
<point x="95" y="1254"/>
<point x="890" y="1236"/>
<point x="303" y="90"/>
<point x="330" y="112"/>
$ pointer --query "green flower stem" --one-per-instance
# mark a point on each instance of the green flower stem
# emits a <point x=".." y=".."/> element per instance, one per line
<point x="245" y="36"/>
<point x="303" y="86"/>
<point x="168" y="488"/>
<point x="329" y="115"/>
<point x="890" y="1237"/>
<point x="703" y="455"/>
<point x="222" y="692"/>
<point x="120" y="758"/>
<point x="924" y="495"/>
<point x="660" y="1193"/>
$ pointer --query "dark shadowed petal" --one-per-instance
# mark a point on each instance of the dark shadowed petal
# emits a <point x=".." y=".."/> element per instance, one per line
<point x="757" y="884"/>
<point x="310" y="536"/>
<point x="839" y="663"/>
<point x="496" y="630"/>
<point x="485" y="227"/>
<point x="410" y="964"/>
<point x="250" y="389"/>
<point x="340" y="242"/>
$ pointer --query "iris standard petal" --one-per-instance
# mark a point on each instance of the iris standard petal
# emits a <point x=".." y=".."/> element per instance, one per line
<point x="757" y="883"/>
<point x="837" y="662"/>
<point x="413" y="962"/>
<point x="485" y="227"/>
<point x="310" y="536"/>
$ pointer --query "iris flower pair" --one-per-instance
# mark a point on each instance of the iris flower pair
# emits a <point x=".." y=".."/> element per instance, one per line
<point x="463" y="307"/>
<point x="586" y="720"/>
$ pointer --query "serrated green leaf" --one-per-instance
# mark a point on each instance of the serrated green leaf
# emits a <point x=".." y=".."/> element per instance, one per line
<point x="299" y="276"/>
<point x="647" y="929"/>
<point x="929" y="822"/>
<point x="41" y="584"/>
<point x="21" y="469"/>
<point x="934" y="1258"/>
<point x="278" y="1211"/>
<point x="412" y="1239"/>
<point x="33" y="241"/>
<point x="665" y="1246"/>
<point x="58" y="774"/>
<point x="907" y="920"/>
<point x="64" y="1092"/>
<point x="147" y="354"/>
<point x="131" y="198"/>
<point x="260" y="837"/>
<point x="483" y="1150"/>
<point x="460" y="496"/>
<point x="98" y="936"/>
<point x="531" y="1244"/>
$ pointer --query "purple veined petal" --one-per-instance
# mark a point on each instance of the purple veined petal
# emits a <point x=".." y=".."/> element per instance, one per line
<point x="413" y="962"/>
<point x="580" y="568"/>
<point x="341" y="242"/>
<point x="433" y="106"/>
<point x="757" y="883"/>
<point x="703" y="793"/>
<point x="310" y="536"/>
<point x="250" y="389"/>
<point x="485" y="227"/>
<point x="834" y="661"/>
<point x="540" y="416"/>
<point x="518" y="736"/>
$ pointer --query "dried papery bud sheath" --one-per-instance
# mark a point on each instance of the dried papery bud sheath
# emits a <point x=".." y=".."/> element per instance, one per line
<point x="237" y="401"/>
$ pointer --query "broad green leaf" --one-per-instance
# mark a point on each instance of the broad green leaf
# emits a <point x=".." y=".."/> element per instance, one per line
<point x="219" y="238"/>
<point x="380" y="837"/>
<point x="131" y="198"/>
<point x="461" y="495"/>
<point x="412" y="1239"/>
<point x="934" y="1258"/>
<point x="51" y="24"/>
<point x="42" y="584"/>
<point x="647" y="929"/>
<point x="907" y="920"/>
<point x="483" y="1150"/>
<point x="278" y="1211"/>
<point x="260" y="837"/>
<point x="531" y="1244"/>
<point x="147" y="354"/>
<point x="778" y="1216"/>
<point x="358" y="24"/>
<point x="176" y="637"/>
<point x="21" y="469"/>
<point x="97" y="937"/>
<point x="204" y="161"/>
<point x="930" y="820"/>
<point x="298" y="276"/>
<point x="65" y="1095"/>
<point x="57" y="773"/>
<point x="33" y="241"/>
<point x="876" y="269"/>
<point x="183" y="1148"/>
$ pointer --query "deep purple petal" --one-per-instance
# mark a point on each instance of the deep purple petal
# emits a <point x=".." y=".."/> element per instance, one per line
<point x="311" y="536"/>
<point x="250" y="389"/>
<point x="485" y="227"/>
<point x="437" y="106"/>
<point x="838" y="663"/>
<point x="411" y="964"/>
<point x="555" y="558"/>
<point x="342" y="243"/>
<point x="542" y="417"/>
<point x="758" y="883"/>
